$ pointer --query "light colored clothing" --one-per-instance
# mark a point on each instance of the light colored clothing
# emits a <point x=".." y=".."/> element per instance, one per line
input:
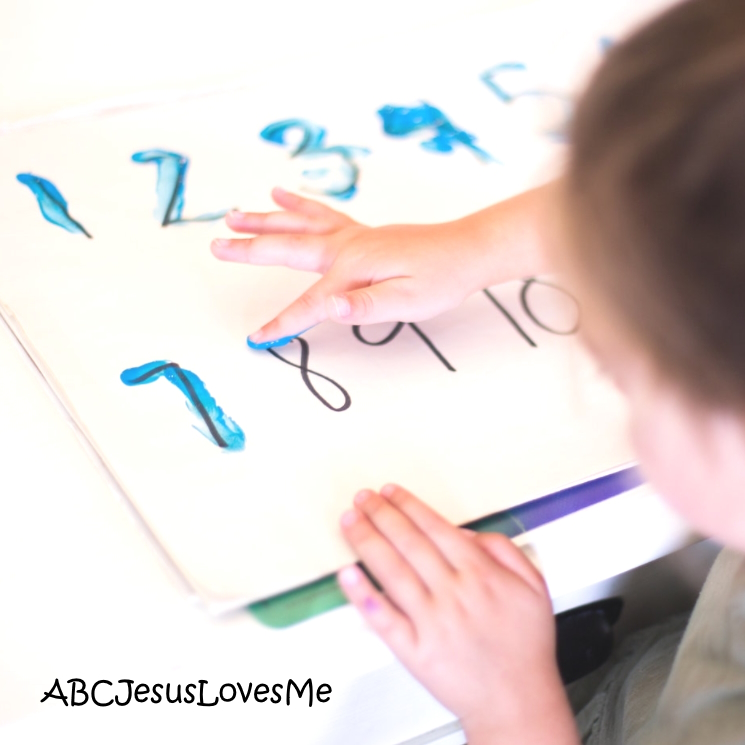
<point x="681" y="682"/>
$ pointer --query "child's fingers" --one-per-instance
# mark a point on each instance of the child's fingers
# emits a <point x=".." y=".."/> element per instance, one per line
<point x="306" y="252"/>
<point x="389" y="300"/>
<point x="391" y="624"/>
<point x="504" y="551"/>
<point x="390" y="569"/>
<point x="309" y="207"/>
<point x="300" y="215"/>
<point x="460" y="550"/>
<point x="406" y="538"/>
<point x="274" y="222"/>
<point x="308" y="310"/>
<point x="385" y="301"/>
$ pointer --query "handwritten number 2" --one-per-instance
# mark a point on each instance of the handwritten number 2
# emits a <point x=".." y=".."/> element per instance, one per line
<point x="170" y="187"/>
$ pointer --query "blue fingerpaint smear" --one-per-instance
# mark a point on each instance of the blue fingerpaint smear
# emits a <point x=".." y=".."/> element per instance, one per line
<point x="170" y="187"/>
<point x="344" y="176"/>
<point x="52" y="204"/>
<point x="277" y="342"/>
<point x="490" y="79"/>
<point x="313" y="135"/>
<point x="400" y="121"/>
<point x="271" y="344"/>
<point x="214" y="424"/>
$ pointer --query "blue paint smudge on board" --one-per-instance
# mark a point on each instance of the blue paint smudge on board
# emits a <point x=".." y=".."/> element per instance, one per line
<point x="170" y="187"/>
<point x="490" y="78"/>
<point x="52" y="204"/>
<point x="215" y="425"/>
<point x="312" y="134"/>
<point x="400" y="121"/>
<point x="340" y="180"/>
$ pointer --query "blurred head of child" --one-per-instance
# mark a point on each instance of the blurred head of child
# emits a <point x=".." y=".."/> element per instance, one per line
<point x="655" y="197"/>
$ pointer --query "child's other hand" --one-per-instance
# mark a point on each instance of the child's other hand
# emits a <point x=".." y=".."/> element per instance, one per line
<point x="467" y="614"/>
<point x="391" y="273"/>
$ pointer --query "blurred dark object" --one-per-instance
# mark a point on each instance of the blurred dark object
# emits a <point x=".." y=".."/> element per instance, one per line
<point x="584" y="637"/>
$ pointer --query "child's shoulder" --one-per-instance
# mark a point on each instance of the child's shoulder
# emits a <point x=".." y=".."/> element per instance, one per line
<point x="704" y="697"/>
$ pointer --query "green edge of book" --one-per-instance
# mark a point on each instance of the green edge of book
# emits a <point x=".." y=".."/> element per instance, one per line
<point x="324" y="594"/>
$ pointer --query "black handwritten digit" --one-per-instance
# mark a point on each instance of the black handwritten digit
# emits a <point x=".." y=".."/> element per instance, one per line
<point x="306" y="372"/>
<point x="510" y="318"/>
<point x="524" y="301"/>
<point x="395" y="332"/>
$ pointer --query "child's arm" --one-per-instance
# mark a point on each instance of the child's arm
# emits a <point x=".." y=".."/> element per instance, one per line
<point x="389" y="273"/>
<point x="467" y="614"/>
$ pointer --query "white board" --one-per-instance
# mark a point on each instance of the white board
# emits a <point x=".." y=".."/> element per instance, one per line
<point x="522" y="414"/>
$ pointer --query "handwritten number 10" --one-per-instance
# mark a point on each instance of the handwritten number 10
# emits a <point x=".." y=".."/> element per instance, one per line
<point x="530" y="313"/>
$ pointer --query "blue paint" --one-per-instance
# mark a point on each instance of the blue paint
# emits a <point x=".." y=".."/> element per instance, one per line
<point x="170" y="187"/>
<point x="400" y="121"/>
<point x="51" y="203"/>
<point x="313" y="135"/>
<point x="214" y="424"/>
<point x="491" y="78"/>
<point x="341" y="180"/>
<point x="277" y="342"/>
<point x="271" y="344"/>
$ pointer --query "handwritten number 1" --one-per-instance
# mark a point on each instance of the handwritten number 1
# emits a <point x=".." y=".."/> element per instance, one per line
<point x="510" y="318"/>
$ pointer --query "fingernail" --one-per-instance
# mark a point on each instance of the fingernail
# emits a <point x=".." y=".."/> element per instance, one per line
<point x="220" y="243"/>
<point x="341" y="305"/>
<point x="388" y="489"/>
<point x="234" y="213"/>
<point x="348" y="518"/>
<point x="362" y="496"/>
<point x="370" y="605"/>
<point x="257" y="336"/>
<point x="349" y="576"/>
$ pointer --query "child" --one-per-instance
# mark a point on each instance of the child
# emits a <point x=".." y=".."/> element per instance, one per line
<point x="649" y="224"/>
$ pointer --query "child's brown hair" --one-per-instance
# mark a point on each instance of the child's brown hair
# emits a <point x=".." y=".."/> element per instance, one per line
<point x="656" y="187"/>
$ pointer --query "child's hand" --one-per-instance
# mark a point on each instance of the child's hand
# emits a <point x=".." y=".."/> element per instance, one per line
<point x="467" y="614"/>
<point x="391" y="273"/>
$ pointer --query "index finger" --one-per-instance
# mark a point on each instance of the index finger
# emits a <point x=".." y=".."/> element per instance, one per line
<point x="308" y="310"/>
<point x="261" y="223"/>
